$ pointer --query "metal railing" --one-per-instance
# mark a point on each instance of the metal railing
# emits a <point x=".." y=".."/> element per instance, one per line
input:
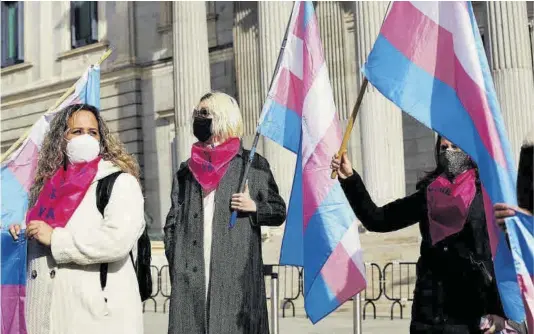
<point x="394" y="282"/>
<point x="399" y="284"/>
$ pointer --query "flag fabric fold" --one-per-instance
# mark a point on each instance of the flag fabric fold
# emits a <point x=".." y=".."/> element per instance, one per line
<point x="17" y="173"/>
<point x="429" y="60"/>
<point x="321" y="231"/>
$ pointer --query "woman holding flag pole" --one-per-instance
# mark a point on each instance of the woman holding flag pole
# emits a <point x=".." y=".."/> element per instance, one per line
<point x="216" y="269"/>
<point x="456" y="290"/>
<point x="70" y="236"/>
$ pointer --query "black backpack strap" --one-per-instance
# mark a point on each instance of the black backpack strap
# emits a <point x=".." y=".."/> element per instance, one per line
<point x="103" y="194"/>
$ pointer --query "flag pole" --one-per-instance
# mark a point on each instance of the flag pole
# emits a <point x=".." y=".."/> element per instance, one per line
<point x="356" y="108"/>
<point x="257" y="136"/>
<point x="352" y="119"/>
<point x="58" y="102"/>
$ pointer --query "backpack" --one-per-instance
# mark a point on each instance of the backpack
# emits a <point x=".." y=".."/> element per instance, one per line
<point x="142" y="267"/>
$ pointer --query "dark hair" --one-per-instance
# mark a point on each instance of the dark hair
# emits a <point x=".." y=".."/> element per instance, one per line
<point x="432" y="175"/>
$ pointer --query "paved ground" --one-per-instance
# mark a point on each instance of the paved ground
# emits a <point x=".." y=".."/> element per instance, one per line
<point x="338" y="323"/>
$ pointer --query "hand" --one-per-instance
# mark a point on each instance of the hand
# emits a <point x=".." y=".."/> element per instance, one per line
<point x="342" y="166"/>
<point x="14" y="230"/>
<point x="242" y="201"/>
<point x="494" y="324"/>
<point x="40" y="231"/>
<point x="503" y="211"/>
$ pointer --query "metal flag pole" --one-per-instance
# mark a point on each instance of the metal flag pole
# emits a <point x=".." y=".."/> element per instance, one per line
<point x="357" y="314"/>
<point x="58" y="102"/>
<point x="257" y="136"/>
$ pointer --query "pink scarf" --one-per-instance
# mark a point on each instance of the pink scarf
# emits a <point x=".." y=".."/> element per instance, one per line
<point x="209" y="164"/>
<point x="448" y="204"/>
<point x="63" y="193"/>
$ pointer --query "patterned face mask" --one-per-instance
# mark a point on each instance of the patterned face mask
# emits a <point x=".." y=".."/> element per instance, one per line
<point x="454" y="163"/>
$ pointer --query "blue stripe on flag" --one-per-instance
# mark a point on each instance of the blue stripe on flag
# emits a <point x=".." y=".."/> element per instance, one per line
<point x="309" y="12"/>
<point x="320" y="300"/>
<point x="325" y="230"/>
<point x="292" y="249"/>
<point x="281" y="125"/>
<point x="92" y="88"/>
<point x="507" y="281"/>
<point x="522" y="227"/>
<point x="14" y="199"/>
<point x="12" y="259"/>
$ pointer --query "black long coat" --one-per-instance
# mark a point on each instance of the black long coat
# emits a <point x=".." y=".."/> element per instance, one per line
<point x="236" y="299"/>
<point x="455" y="284"/>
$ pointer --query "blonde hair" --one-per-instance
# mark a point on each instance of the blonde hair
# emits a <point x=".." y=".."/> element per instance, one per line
<point x="227" y="119"/>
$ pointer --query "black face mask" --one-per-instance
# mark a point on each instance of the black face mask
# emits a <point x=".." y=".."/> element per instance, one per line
<point x="454" y="163"/>
<point x="202" y="129"/>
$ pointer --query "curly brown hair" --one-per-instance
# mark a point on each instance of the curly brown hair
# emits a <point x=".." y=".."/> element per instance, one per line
<point x="52" y="155"/>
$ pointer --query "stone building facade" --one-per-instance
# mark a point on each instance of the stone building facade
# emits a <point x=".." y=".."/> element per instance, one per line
<point x="166" y="55"/>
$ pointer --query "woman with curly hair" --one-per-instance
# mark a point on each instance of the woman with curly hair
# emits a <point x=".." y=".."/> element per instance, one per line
<point x="69" y="237"/>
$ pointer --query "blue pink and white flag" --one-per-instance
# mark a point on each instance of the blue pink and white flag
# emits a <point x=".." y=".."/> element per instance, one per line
<point x="321" y="231"/>
<point x="17" y="173"/>
<point x="429" y="60"/>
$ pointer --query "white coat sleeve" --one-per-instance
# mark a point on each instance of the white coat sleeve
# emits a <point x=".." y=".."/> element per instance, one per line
<point x="121" y="227"/>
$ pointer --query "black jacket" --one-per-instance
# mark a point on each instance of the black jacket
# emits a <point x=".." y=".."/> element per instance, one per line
<point x="455" y="280"/>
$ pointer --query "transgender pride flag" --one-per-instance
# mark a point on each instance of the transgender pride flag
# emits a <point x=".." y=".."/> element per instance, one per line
<point x="321" y="232"/>
<point x="16" y="178"/>
<point x="429" y="60"/>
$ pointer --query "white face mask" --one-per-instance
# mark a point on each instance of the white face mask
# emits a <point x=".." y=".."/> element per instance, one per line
<point x="83" y="148"/>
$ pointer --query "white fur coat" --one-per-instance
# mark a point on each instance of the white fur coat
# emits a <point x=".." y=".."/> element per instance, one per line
<point x="63" y="281"/>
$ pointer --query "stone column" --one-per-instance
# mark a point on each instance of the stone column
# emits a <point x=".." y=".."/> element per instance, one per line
<point x="380" y="120"/>
<point x="247" y="64"/>
<point x="191" y="68"/>
<point x="332" y="28"/>
<point x="511" y="65"/>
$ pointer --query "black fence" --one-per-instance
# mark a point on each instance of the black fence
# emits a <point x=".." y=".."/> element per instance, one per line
<point x="394" y="283"/>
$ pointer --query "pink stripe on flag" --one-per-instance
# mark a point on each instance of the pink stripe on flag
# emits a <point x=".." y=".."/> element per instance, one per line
<point x="299" y="29"/>
<point x="313" y="54"/>
<point x="24" y="166"/>
<point x="342" y="275"/>
<point x="287" y="91"/>
<point x="12" y="305"/>
<point x="436" y="43"/>
<point x="317" y="182"/>
<point x="527" y="287"/>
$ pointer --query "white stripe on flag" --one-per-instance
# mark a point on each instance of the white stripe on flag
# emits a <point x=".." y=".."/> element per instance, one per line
<point x="454" y="19"/>
<point x="293" y="56"/>
<point x="318" y="113"/>
<point x="351" y="243"/>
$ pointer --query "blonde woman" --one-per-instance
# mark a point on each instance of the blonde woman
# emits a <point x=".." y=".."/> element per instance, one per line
<point x="69" y="238"/>
<point x="216" y="272"/>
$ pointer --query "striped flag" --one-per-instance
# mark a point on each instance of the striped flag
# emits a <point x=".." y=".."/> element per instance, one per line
<point x="16" y="176"/>
<point x="429" y="60"/>
<point x="321" y="231"/>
